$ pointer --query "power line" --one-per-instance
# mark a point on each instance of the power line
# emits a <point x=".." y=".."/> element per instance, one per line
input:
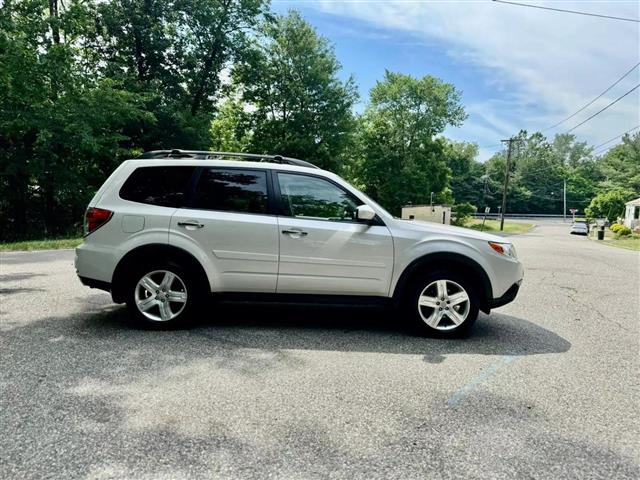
<point x="592" y="101"/>
<point x="491" y="146"/>
<point x="603" y="109"/>
<point x="615" y="138"/>
<point x="536" y="171"/>
<point x="624" y="19"/>
<point x="592" y="116"/>
<point x="558" y="198"/>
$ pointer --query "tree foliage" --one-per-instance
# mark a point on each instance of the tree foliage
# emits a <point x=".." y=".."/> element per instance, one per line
<point x="84" y="84"/>
<point x="398" y="160"/>
<point x="462" y="213"/>
<point x="539" y="169"/>
<point x="174" y="53"/>
<point x="296" y="104"/>
<point x="610" y="204"/>
<point x="469" y="182"/>
<point x="231" y="129"/>
<point x="620" y="167"/>
<point x="60" y="128"/>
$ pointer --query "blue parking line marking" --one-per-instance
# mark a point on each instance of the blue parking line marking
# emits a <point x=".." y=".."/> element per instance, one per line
<point x="480" y="379"/>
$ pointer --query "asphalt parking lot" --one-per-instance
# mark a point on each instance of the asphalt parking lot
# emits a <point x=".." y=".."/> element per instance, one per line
<point x="546" y="387"/>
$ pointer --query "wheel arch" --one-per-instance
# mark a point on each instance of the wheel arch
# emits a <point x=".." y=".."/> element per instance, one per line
<point x="446" y="260"/>
<point x="149" y="252"/>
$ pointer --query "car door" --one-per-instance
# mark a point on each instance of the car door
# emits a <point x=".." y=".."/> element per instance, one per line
<point x="323" y="248"/>
<point x="228" y="218"/>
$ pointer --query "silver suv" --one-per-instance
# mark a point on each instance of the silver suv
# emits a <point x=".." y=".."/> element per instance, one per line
<point x="171" y="227"/>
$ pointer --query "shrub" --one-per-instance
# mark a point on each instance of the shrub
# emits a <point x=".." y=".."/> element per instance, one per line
<point x="462" y="213"/>
<point x="623" y="231"/>
<point x="609" y="205"/>
<point x="615" y="227"/>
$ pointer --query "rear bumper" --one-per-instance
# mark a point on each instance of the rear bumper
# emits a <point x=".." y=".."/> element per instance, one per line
<point x="508" y="297"/>
<point x="94" y="261"/>
<point x="93" y="283"/>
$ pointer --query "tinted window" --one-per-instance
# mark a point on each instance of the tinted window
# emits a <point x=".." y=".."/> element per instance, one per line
<point x="243" y="191"/>
<point x="164" y="186"/>
<point x="312" y="197"/>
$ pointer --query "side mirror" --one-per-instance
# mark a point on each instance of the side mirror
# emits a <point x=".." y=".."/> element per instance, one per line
<point x="365" y="213"/>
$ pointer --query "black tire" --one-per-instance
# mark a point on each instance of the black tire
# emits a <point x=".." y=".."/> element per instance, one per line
<point x="184" y="281"/>
<point x="447" y="327"/>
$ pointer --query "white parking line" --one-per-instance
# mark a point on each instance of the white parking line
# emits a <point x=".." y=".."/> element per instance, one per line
<point x="480" y="379"/>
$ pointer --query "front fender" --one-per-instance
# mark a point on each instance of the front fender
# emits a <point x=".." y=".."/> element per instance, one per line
<point x="442" y="250"/>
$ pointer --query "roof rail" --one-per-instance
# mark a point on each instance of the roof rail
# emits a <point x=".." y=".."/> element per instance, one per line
<point x="207" y="155"/>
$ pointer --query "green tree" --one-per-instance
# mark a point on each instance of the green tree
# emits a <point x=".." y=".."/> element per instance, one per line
<point x="469" y="183"/>
<point x="60" y="128"/>
<point x="462" y="214"/>
<point x="399" y="161"/>
<point x="231" y="129"/>
<point x="539" y="168"/>
<point x="620" y="166"/>
<point x="174" y="53"/>
<point x="87" y="83"/>
<point x="609" y="204"/>
<point x="568" y="152"/>
<point x="298" y="105"/>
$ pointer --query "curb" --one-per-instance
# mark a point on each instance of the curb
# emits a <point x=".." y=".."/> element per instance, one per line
<point x="2" y="252"/>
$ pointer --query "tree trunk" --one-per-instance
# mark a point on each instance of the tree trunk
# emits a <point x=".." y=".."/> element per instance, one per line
<point x="138" y="53"/>
<point x="53" y="14"/>
<point x="20" y="206"/>
<point x="202" y="84"/>
<point x="50" y="220"/>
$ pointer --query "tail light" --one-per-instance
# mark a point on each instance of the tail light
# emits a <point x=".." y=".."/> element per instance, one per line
<point x="94" y="218"/>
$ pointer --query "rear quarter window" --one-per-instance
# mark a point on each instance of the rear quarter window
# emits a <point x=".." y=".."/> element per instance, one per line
<point x="162" y="186"/>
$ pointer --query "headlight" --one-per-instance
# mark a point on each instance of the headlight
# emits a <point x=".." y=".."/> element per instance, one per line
<point x="504" y="249"/>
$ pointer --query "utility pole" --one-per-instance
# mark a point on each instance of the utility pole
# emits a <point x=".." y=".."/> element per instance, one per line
<point x="506" y="183"/>
<point x="564" y="202"/>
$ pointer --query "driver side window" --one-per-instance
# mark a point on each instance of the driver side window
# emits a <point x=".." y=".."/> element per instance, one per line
<point x="313" y="198"/>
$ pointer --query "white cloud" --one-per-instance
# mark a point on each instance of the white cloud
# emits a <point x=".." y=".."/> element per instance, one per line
<point x="546" y="64"/>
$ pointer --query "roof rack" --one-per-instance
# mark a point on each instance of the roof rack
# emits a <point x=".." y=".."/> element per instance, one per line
<point x="206" y="155"/>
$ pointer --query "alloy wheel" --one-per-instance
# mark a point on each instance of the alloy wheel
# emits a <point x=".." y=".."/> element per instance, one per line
<point x="444" y="304"/>
<point x="161" y="295"/>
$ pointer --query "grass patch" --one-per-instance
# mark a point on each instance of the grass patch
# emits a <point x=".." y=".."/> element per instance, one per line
<point x="631" y="242"/>
<point x="494" y="226"/>
<point x="41" y="244"/>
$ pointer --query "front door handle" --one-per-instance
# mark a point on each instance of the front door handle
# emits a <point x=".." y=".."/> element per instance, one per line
<point x="294" y="232"/>
<point x="191" y="223"/>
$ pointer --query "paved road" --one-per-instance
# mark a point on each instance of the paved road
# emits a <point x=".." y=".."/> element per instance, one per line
<point x="546" y="388"/>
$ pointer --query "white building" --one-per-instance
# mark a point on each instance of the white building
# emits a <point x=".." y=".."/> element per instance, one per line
<point x="632" y="213"/>
<point x="428" y="213"/>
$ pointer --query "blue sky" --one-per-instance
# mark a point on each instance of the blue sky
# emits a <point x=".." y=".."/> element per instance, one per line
<point x="517" y="67"/>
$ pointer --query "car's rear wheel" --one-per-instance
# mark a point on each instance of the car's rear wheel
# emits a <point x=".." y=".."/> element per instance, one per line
<point x="162" y="295"/>
<point x="444" y="304"/>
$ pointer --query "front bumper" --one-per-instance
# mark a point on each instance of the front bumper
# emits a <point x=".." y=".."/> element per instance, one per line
<point x="508" y="297"/>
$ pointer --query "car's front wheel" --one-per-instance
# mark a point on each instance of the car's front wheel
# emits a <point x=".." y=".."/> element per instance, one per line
<point x="162" y="295"/>
<point x="443" y="304"/>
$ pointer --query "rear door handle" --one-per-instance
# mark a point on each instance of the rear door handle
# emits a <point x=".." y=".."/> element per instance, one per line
<point x="294" y="232"/>
<point x="191" y="223"/>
